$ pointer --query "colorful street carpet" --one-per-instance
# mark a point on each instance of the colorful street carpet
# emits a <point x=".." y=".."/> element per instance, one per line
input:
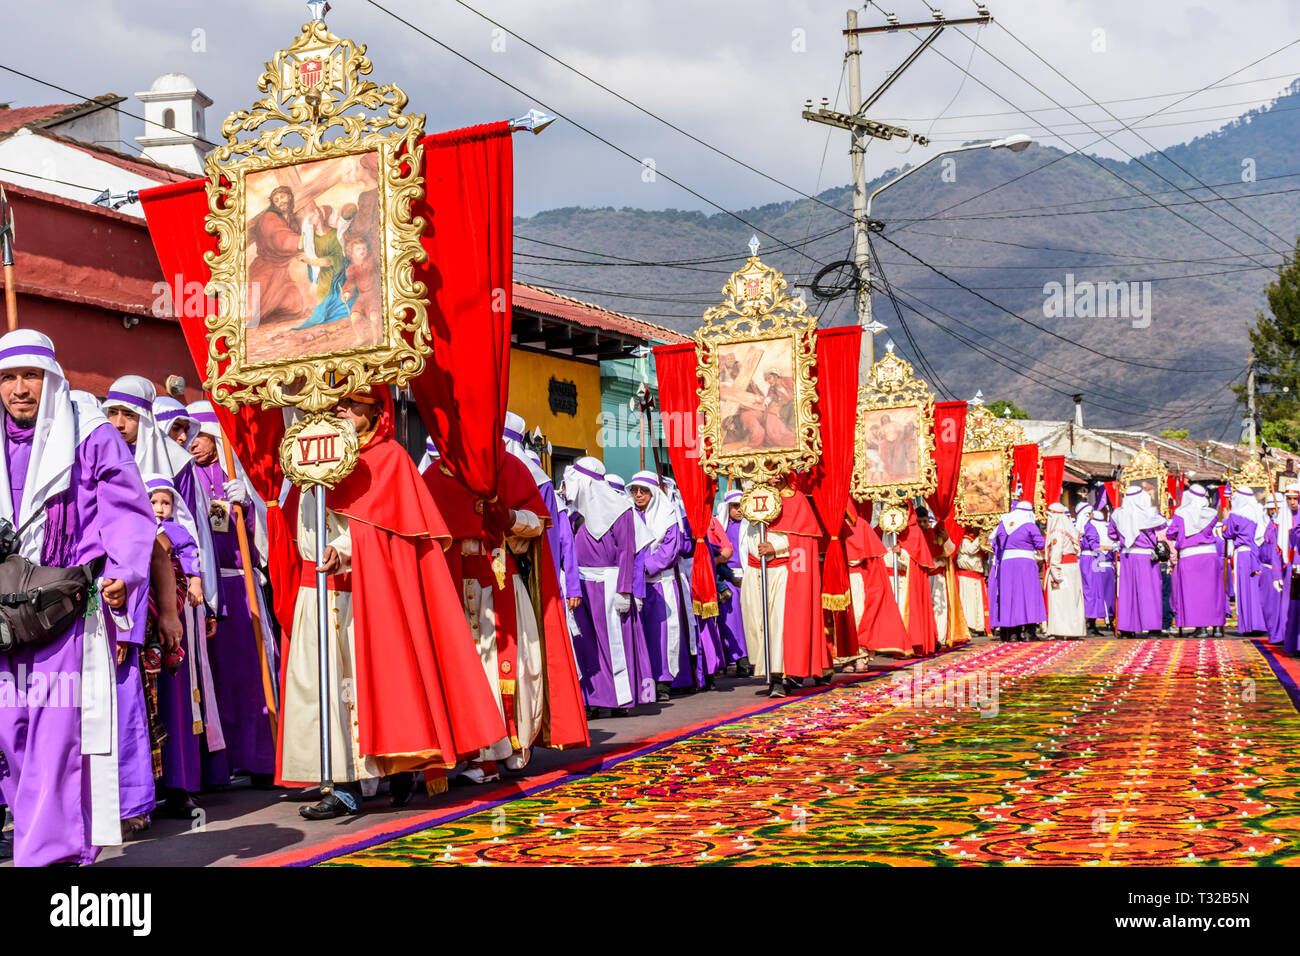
<point x="1091" y="753"/>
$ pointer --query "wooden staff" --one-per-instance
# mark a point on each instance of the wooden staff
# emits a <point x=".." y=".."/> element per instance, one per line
<point x="250" y="589"/>
<point x="7" y="259"/>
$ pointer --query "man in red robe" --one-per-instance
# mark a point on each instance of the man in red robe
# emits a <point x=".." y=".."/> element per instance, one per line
<point x="408" y="691"/>
<point x="875" y="612"/>
<point x="796" y="629"/>
<point x="531" y="668"/>
<point x="915" y="563"/>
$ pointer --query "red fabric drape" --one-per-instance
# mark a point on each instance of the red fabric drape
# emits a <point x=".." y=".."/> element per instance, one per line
<point x="837" y="407"/>
<point x="462" y="393"/>
<point x="1112" y="493"/>
<point x="1053" y="478"/>
<point x="1175" y="485"/>
<point x="949" y="436"/>
<point x="1024" y="469"/>
<point x="679" y="379"/>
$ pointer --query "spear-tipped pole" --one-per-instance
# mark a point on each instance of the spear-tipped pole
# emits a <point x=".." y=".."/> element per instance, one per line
<point x="7" y="259"/>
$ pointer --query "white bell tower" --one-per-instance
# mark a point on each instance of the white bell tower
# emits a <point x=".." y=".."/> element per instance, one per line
<point x="175" y="130"/>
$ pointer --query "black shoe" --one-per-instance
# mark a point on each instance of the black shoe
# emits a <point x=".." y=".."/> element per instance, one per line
<point x="262" y="781"/>
<point x="821" y="681"/>
<point x="401" y="787"/>
<point x="661" y="692"/>
<point x="710" y="683"/>
<point x="1199" y="632"/>
<point x="744" y="668"/>
<point x="327" y="809"/>
<point x="792" y="683"/>
<point x="178" y="806"/>
<point x="776" y="689"/>
<point x="1092" y="629"/>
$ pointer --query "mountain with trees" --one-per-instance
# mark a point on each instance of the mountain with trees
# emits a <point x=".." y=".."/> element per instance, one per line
<point x="1165" y="258"/>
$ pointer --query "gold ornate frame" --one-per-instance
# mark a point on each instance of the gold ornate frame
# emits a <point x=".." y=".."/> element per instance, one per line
<point x="1253" y="475"/>
<point x="1145" y="465"/>
<point x="315" y="87"/>
<point x="756" y="308"/>
<point x="986" y="432"/>
<point x="893" y="385"/>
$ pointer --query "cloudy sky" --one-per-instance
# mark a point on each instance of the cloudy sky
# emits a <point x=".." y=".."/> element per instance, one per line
<point x="734" y="74"/>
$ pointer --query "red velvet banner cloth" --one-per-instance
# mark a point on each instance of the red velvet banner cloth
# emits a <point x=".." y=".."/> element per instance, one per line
<point x="468" y="209"/>
<point x="1053" y="478"/>
<point x="1024" y="470"/>
<point x="1112" y="493"/>
<point x="1175" y="485"/>
<point x="679" y="381"/>
<point x="949" y="436"/>
<point x="462" y="393"/>
<point x="837" y="409"/>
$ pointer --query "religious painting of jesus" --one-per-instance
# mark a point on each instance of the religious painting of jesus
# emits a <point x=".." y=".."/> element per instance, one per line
<point x="891" y="446"/>
<point x="756" y="395"/>
<point x="982" y="485"/>
<point x="314" y="256"/>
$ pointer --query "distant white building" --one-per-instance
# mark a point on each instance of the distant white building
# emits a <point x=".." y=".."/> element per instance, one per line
<point x="175" y="132"/>
<point x="75" y="150"/>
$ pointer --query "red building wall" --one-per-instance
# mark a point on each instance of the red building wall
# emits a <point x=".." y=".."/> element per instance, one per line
<point x="79" y="269"/>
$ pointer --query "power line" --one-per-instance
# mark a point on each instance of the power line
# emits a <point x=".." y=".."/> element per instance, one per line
<point x="1041" y="328"/>
<point x="1183" y="169"/>
<point x="1079" y="149"/>
<point x="1100" y="165"/>
<point x="926" y="367"/>
<point x="1127" y="99"/>
<point x="1076" y="384"/>
<point x="637" y="106"/>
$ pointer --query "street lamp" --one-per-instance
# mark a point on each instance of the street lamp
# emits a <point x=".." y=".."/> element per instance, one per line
<point x="1017" y="144"/>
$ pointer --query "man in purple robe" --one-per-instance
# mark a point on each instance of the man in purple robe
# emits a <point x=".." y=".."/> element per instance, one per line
<point x="609" y="647"/>
<point x="232" y="646"/>
<point x="71" y="486"/>
<point x="1194" y="533"/>
<point x="662" y="615"/>
<point x="1243" y="532"/>
<point x="1274" y="571"/>
<point x="1097" y="537"/>
<point x="1139" y="604"/>
<point x="1291" y="627"/>
<point x="731" y="622"/>
<point x="1016" y="603"/>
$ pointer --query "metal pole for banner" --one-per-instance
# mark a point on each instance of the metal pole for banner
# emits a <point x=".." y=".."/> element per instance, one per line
<point x="322" y="645"/>
<point x="7" y="259"/>
<point x="762" y="574"/>
<point x="895" y="544"/>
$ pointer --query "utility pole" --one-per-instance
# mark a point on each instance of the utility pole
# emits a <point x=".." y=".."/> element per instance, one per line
<point x="1250" y="400"/>
<point x="858" y="127"/>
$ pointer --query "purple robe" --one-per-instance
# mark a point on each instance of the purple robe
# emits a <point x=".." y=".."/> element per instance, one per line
<point x="1103" y="572"/>
<point x="234" y="651"/>
<point x="1291" y="594"/>
<point x="656" y="568"/>
<point x="615" y="666"/>
<point x="181" y="754"/>
<point x="45" y="778"/>
<point x="1197" y="593"/>
<point x="731" y="623"/>
<point x="1139" y="604"/>
<point x="134" y="747"/>
<point x="1246" y="574"/>
<point x="1273" y="574"/>
<point x="1015" y="589"/>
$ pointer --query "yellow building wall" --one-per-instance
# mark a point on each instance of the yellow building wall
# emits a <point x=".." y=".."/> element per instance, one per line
<point x="530" y="375"/>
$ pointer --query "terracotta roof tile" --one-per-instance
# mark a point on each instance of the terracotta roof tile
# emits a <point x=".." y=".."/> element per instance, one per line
<point x="537" y="299"/>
